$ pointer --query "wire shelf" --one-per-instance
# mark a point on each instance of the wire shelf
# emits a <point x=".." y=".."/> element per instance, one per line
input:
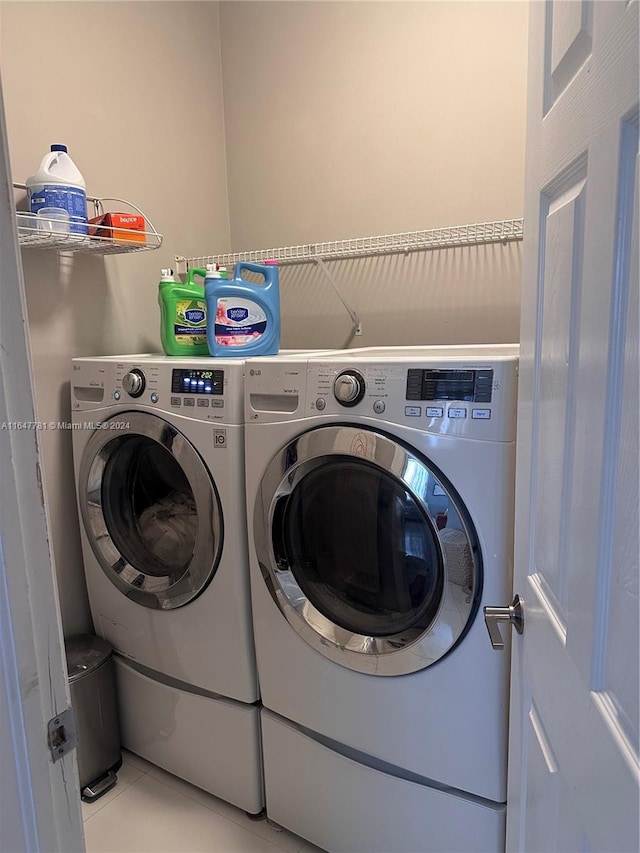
<point x="501" y="231"/>
<point x="42" y="232"/>
<point x="33" y="238"/>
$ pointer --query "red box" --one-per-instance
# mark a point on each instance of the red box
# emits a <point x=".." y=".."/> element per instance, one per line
<point x="121" y="227"/>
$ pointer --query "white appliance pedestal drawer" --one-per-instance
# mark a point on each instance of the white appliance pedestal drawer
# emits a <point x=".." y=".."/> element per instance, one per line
<point x="213" y="743"/>
<point x="348" y="807"/>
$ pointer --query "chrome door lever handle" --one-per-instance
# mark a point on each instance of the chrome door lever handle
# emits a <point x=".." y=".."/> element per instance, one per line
<point x="514" y="614"/>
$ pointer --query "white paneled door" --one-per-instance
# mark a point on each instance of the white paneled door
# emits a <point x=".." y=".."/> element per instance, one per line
<point x="574" y="770"/>
<point x="39" y="796"/>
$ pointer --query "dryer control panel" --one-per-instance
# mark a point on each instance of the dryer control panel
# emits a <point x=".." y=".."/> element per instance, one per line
<point x="275" y="389"/>
<point x="472" y="386"/>
<point x="453" y="396"/>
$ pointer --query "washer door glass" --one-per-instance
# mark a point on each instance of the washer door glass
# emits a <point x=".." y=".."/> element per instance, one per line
<point x="367" y="550"/>
<point x="151" y="511"/>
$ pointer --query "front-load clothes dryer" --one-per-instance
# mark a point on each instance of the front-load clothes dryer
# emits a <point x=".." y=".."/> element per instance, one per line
<point x="158" y="449"/>
<point x="380" y="512"/>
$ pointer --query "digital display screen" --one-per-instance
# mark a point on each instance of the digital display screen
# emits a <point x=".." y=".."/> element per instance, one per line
<point x="472" y="386"/>
<point x="450" y="384"/>
<point x="205" y="382"/>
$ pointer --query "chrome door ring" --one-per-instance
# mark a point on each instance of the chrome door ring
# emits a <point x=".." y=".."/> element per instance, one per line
<point x="398" y="654"/>
<point x="167" y="591"/>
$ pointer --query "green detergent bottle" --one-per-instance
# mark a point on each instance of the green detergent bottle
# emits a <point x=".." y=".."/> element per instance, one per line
<point x="183" y="311"/>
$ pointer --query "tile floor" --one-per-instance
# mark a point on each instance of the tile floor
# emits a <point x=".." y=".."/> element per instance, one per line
<point x="151" y="811"/>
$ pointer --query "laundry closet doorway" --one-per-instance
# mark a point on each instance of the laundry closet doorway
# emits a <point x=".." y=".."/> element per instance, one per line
<point x="41" y="595"/>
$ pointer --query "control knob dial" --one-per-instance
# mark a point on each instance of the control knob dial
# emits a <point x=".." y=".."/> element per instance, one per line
<point x="349" y="388"/>
<point x="134" y="382"/>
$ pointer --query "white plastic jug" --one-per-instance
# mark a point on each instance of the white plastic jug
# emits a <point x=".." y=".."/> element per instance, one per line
<point x="59" y="183"/>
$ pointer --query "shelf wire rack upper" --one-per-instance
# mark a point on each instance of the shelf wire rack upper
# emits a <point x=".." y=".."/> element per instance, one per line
<point x="500" y="231"/>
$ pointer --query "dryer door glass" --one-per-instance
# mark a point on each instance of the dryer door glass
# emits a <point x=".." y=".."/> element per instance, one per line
<point x="367" y="550"/>
<point x="362" y="549"/>
<point x="151" y="511"/>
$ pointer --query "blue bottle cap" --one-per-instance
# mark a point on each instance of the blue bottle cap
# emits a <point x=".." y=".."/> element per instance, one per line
<point x="59" y="148"/>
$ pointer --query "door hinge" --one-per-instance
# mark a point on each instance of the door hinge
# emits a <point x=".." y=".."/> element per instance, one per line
<point x="62" y="734"/>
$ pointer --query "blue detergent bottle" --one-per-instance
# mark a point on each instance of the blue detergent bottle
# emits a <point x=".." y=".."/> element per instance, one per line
<point x="243" y="319"/>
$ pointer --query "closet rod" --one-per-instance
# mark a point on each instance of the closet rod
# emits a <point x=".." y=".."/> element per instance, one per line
<point x="500" y="231"/>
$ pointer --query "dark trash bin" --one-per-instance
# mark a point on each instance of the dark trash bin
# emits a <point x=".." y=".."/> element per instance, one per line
<point x="93" y="698"/>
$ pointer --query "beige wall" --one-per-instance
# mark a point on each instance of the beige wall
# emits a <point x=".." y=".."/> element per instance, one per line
<point x="135" y="90"/>
<point x="349" y="119"/>
<point x="342" y="119"/>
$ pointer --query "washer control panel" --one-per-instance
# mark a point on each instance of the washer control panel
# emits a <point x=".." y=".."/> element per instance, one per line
<point x="196" y="380"/>
<point x="134" y="382"/>
<point x="190" y="388"/>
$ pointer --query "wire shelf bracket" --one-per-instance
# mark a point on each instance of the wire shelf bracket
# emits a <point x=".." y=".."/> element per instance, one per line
<point x="355" y="320"/>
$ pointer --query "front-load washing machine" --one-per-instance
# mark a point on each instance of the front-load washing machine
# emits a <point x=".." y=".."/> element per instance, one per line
<point x="158" y="448"/>
<point x="380" y="511"/>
